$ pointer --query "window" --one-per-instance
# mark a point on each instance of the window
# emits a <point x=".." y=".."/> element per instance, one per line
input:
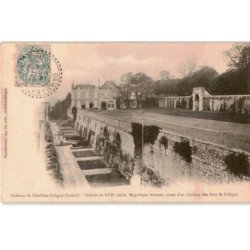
<point x="111" y="104"/>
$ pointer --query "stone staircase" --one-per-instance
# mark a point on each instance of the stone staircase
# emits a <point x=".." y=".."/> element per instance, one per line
<point x="96" y="171"/>
<point x="92" y="166"/>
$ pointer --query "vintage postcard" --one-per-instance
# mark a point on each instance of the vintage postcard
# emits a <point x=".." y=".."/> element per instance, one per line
<point x="125" y="122"/>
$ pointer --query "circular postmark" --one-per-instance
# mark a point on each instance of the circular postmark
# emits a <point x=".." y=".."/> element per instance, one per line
<point x="38" y="71"/>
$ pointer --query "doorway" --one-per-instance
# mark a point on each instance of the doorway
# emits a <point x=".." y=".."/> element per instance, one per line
<point x="103" y="105"/>
<point x="196" y="102"/>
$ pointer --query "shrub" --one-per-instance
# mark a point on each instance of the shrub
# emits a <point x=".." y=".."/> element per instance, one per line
<point x="184" y="150"/>
<point x="183" y="104"/>
<point x="150" y="133"/>
<point x="237" y="164"/>
<point x="52" y="163"/>
<point x="68" y="123"/>
<point x="153" y="178"/>
<point x="106" y="132"/>
<point x="164" y="141"/>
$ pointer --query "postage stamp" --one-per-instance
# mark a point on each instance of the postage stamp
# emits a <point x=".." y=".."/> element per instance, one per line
<point x="38" y="71"/>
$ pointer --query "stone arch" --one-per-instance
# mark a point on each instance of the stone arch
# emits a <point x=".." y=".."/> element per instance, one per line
<point x="118" y="139"/>
<point x="198" y="98"/>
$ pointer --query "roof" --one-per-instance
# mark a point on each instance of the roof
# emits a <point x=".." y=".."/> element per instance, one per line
<point x="108" y="85"/>
<point x="84" y="86"/>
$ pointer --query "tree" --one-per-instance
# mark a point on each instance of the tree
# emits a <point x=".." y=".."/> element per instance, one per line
<point x="236" y="79"/>
<point x="125" y="89"/>
<point x="164" y="75"/>
<point x="74" y="113"/>
<point x="165" y="87"/>
<point x="231" y="82"/>
<point x="188" y="68"/>
<point x="56" y="111"/>
<point x="204" y="77"/>
<point x="239" y="56"/>
<point x="66" y="104"/>
<point x="60" y="109"/>
<point x="138" y="84"/>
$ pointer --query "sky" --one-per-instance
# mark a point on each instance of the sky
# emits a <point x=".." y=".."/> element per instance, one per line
<point x="99" y="62"/>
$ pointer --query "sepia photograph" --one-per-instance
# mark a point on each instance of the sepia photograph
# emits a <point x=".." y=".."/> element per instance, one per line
<point x="130" y="118"/>
<point x="124" y="124"/>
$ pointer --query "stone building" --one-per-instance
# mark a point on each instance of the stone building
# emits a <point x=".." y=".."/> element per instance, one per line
<point x="107" y="95"/>
<point x="202" y="100"/>
<point x="87" y="96"/>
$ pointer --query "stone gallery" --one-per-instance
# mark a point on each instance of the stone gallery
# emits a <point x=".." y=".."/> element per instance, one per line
<point x="202" y="100"/>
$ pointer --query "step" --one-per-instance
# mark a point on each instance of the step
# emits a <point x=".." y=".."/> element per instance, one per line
<point x="81" y="149"/>
<point x="91" y="158"/>
<point x="97" y="171"/>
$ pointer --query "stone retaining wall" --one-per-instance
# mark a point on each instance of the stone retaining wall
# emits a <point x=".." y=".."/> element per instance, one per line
<point x="162" y="164"/>
<point x="207" y="160"/>
<point x="110" y="138"/>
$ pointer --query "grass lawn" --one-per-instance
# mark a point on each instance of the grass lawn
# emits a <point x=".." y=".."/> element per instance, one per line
<point x="106" y="180"/>
<point x="88" y="153"/>
<point x="208" y="115"/>
<point x="93" y="164"/>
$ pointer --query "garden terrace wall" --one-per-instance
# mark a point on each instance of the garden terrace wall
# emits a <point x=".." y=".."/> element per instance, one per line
<point x="207" y="159"/>
<point x="163" y="157"/>
<point x="117" y="155"/>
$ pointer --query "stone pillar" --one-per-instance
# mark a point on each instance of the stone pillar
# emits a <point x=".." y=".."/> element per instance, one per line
<point x="175" y="100"/>
<point x="201" y="102"/>
<point x="193" y="102"/>
<point x="211" y="104"/>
